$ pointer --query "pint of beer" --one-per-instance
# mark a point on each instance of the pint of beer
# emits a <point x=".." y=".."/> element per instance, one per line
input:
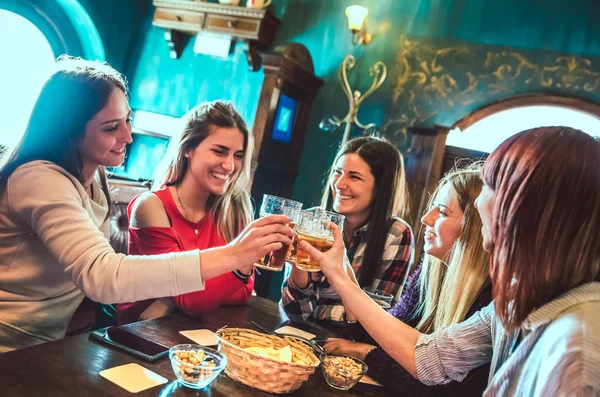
<point x="303" y="260"/>
<point x="314" y="229"/>
<point x="273" y="205"/>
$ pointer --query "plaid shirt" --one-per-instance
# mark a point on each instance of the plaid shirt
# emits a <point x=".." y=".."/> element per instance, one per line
<point x="320" y="301"/>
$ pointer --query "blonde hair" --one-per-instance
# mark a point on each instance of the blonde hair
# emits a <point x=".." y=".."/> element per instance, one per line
<point x="448" y="290"/>
<point x="233" y="209"/>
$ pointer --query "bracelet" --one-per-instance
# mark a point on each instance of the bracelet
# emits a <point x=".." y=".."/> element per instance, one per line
<point x="349" y="321"/>
<point x="242" y="275"/>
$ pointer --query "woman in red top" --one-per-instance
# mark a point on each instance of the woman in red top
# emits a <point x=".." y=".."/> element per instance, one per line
<point x="199" y="200"/>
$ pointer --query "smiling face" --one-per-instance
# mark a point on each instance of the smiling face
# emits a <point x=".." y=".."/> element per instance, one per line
<point x="352" y="186"/>
<point x="443" y="223"/>
<point x="107" y="134"/>
<point x="215" y="162"/>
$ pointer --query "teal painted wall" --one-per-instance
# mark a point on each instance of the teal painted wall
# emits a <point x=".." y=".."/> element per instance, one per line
<point x="538" y="25"/>
<point x="168" y="86"/>
<point x="117" y="22"/>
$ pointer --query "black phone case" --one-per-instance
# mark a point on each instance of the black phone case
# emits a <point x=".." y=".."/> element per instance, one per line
<point x="100" y="335"/>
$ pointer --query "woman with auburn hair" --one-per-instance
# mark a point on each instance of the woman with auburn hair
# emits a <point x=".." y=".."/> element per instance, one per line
<point x="54" y="207"/>
<point x="367" y="185"/>
<point x="540" y="209"/>
<point x="199" y="201"/>
<point x="452" y="284"/>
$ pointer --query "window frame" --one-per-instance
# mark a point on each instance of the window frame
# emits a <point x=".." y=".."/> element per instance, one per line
<point x="67" y="26"/>
<point x="577" y="104"/>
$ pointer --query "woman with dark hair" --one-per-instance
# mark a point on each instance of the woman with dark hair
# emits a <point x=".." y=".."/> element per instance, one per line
<point x="54" y="204"/>
<point x="367" y="185"/>
<point x="199" y="201"/>
<point x="540" y="209"/>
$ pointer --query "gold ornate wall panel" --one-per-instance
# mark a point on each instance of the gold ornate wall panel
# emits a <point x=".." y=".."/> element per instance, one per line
<point x="438" y="82"/>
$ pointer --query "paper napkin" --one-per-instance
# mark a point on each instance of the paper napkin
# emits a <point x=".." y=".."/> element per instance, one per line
<point x="133" y="377"/>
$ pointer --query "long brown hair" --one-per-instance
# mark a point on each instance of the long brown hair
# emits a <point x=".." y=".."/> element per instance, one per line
<point x="391" y="195"/>
<point x="233" y="209"/>
<point x="448" y="290"/>
<point x="72" y="95"/>
<point x="546" y="218"/>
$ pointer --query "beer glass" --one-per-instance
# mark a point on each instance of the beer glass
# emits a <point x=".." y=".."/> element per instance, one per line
<point x="313" y="228"/>
<point x="291" y="255"/>
<point x="273" y="205"/>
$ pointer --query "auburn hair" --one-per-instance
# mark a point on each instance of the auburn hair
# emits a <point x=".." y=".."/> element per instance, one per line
<point x="546" y="218"/>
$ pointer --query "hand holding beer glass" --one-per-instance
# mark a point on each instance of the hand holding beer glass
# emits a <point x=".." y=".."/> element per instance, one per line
<point x="273" y="205"/>
<point x="313" y="227"/>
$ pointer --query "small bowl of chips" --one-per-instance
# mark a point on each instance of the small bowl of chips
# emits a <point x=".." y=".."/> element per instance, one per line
<point x="196" y="366"/>
<point x="342" y="372"/>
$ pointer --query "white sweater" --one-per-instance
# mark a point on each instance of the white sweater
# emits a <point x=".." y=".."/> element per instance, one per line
<point x="54" y="249"/>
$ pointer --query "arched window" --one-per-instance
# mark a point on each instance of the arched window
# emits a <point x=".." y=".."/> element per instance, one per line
<point x="35" y="32"/>
<point x="25" y="65"/>
<point x="486" y="128"/>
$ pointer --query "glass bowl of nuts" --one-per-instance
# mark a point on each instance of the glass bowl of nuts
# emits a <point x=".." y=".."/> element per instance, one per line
<point x="342" y="372"/>
<point x="196" y="366"/>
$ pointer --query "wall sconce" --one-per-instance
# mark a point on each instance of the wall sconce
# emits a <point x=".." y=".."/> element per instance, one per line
<point x="357" y="23"/>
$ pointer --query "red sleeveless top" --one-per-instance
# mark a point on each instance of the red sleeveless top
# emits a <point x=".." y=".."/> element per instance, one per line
<point x="226" y="289"/>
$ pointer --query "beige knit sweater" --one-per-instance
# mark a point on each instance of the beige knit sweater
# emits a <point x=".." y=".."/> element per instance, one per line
<point x="54" y="249"/>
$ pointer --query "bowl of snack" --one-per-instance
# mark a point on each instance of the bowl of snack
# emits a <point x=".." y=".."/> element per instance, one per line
<point x="266" y="362"/>
<point x="342" y="372"/>
<point x="196" y="366"/>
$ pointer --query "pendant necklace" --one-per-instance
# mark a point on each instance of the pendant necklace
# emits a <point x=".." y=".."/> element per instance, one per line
<point x="187" y="216"/>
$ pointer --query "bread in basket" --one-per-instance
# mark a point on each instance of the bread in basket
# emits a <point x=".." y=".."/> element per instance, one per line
<point x="262" y="372"/>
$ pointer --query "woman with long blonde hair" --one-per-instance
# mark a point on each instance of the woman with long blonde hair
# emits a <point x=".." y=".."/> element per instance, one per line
<point x="451" y="284"/>
<point x="199" y="200"/>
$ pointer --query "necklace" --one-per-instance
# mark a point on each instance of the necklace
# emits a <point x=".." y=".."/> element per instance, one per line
<point x="187" y="216"/>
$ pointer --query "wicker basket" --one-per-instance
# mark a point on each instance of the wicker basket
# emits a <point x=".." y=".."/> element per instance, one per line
<point x="261" y="372"/>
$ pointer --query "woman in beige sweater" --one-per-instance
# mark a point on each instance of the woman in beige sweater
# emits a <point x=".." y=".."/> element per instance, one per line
<point x="54" y="205"/>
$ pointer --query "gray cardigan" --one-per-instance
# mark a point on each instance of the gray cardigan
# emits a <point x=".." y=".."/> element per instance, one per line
<point x="54" y="249"/>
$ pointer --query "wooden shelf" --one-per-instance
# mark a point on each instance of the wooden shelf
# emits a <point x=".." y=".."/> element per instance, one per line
<point x="256" y="27"/>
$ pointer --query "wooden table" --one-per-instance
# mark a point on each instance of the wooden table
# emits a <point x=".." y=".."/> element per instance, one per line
<point x="70" y="367"/>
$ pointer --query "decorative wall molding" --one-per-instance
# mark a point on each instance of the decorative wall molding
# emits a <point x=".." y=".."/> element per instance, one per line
<point x="438" y="82"/>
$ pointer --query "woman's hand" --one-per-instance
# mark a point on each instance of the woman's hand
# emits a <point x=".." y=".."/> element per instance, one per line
<point x="260" y="237"/>
<point x="255" y="241"/>
<point x="332" y="261"/>
<point x="346" y="347"/>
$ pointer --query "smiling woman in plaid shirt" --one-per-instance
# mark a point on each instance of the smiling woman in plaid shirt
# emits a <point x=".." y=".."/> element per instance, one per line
<point x="366" y="185"/>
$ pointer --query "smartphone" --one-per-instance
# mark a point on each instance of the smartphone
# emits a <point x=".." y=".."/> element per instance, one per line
<point x="131" y="343"/>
